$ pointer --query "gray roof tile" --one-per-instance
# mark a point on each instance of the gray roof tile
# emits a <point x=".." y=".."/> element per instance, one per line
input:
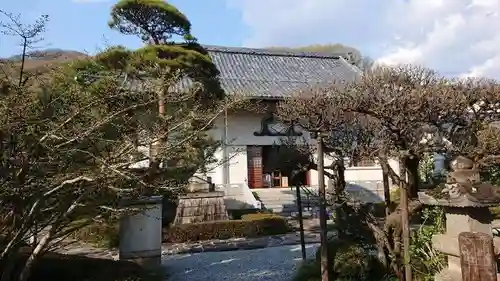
<point x="276" y="74"/>
<point x="270" y="74"/>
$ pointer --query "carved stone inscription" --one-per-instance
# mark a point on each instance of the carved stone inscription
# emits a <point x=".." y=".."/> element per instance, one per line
<point x="477" y="257"/>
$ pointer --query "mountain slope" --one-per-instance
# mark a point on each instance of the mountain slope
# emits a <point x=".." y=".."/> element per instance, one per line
<point x="38" y="61"/>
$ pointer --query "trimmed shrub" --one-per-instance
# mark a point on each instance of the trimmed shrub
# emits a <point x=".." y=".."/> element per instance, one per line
<point x="226" y="229"/>
<point x="259" y="216"/>
<point x="351" y="261"/>
<point x="309" y="270"/>
<point x="237" y="214"/>
<point x="104" y="235"/>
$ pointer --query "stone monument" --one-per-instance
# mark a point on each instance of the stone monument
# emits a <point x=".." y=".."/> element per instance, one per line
<point x="141" y="232"/>
<point x="201" y="203"/>
<point x="466" y="201"/>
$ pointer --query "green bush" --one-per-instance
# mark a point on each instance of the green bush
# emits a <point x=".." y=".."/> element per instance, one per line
<point x="104" y="235"/>
<point x="350" y="261"/>
<point x="308" y="271"/>
<point x="238" y="214"/>
<point x="495" y="211"/>
<point x="226" y="229"/>
<point x="426" y="261"/>
<point x="258" y="216"/>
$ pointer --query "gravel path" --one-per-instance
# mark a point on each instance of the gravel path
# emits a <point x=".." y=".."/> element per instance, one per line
<point x="273" y="263"/>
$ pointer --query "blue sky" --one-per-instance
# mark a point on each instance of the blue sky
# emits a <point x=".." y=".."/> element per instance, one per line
<point x="83" y="26"/>
<point x="455" y="37"/>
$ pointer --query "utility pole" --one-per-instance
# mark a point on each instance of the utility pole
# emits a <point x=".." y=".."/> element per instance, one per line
<point x="325" y="270"/>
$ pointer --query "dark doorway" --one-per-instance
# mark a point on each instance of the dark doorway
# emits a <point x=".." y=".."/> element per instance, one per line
<point x="280" y="168"/>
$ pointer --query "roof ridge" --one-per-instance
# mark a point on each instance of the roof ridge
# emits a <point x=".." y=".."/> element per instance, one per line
<point x="271" y="52"/>
<point x="273" y="80"/>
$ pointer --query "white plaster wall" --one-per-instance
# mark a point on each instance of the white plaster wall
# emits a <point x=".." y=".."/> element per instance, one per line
<point x="215" y="170"/>
<point x="238" y="165"/>
<point x="241" y="127"/>
<point x="356" y="174"/>
<point x="240" y="132"/>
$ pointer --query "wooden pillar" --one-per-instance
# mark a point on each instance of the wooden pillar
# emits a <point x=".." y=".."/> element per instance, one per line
<point x="325" y="269"/>
<point x="255" y="167"/>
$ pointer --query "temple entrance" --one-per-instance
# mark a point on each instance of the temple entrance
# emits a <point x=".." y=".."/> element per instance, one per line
<point x="274" y="166"/>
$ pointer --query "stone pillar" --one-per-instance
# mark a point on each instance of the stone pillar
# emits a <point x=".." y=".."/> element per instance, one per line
<point x="466" y="202"/>
<point x="141" y="233"/>
<point x="458" y="220"/>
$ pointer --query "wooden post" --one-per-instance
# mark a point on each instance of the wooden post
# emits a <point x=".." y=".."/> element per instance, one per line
<point x="301" y="222"/>
<point x="322" y="211"/>
<point x="405" y="224"/>
<point x="477" y="258"/>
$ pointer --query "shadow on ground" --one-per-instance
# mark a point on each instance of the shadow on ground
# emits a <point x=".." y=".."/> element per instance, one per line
<point x="274" y="263"/>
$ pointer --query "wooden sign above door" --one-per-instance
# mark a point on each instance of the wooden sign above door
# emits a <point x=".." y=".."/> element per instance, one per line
<point x="271" y="127"/>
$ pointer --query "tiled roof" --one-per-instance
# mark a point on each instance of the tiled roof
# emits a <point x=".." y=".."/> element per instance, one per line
<point x="276" y="74"/>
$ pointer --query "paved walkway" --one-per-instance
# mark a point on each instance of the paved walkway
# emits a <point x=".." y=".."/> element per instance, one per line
<point x="273" y="263"/>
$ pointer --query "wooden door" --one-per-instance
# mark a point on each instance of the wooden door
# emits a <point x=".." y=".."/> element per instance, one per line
<point x="254" y="156"/>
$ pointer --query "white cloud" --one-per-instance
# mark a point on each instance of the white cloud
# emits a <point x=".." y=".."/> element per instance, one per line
<point x="456" y="37"/>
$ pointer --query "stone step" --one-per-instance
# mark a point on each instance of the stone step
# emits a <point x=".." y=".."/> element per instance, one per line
<point x="286" y="196"/>
<point x="287" y="203"/>
<point x="284" y="201"/>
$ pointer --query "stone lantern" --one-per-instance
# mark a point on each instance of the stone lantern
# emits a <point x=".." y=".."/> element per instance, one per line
<point x="466" y="201"/>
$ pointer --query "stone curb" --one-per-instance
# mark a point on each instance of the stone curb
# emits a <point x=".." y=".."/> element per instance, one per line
<point x="239" y="244"/>
<point x="232" y="244"/>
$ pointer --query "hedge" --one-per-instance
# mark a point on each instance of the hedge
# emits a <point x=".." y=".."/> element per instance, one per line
<point x="249" y="227"/>
<point x="238" y="214"/>
<point x="260" y="216"/>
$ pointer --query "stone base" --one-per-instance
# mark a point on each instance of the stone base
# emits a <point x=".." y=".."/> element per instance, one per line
<point x="201" y="207"/>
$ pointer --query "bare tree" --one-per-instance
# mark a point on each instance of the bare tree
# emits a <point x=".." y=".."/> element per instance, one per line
<point x="30" y="34"/>
<point x="402" y="113"/>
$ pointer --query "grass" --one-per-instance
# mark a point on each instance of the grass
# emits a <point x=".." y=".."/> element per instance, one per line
<point x="58" y="267"/>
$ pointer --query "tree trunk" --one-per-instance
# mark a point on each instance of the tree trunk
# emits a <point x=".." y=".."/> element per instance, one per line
<point x="405" y="225"/>
<point x="26" y="272"/>
<point x="10" y="255"/>
<point x="387" y="190"/>
<point x="339" y="188"/>
<point x="324" y="257"/>
<point x="23" y="60"/>
<point x="154" y="164"/>
<point x="411" y="164"/>
<point x="9" y="263"/>
<point x="42" y="245"/>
